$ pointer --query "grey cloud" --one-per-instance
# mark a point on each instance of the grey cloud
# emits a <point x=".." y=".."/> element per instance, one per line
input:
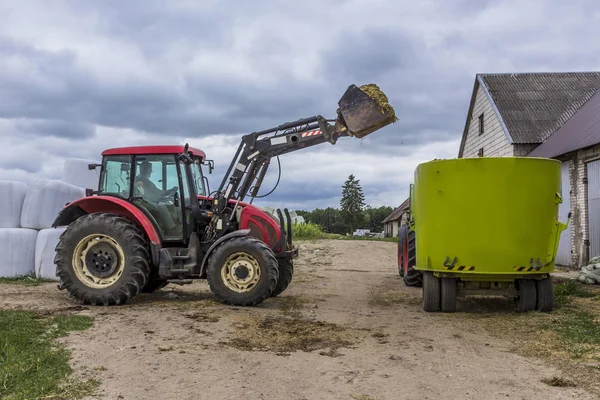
<point x="56" y="128"/>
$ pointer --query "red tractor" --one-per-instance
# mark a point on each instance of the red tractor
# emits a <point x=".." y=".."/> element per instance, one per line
<point x="153" y="220"/>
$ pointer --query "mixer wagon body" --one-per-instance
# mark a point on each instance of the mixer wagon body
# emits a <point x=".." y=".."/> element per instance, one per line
<point x="487" y="225"/>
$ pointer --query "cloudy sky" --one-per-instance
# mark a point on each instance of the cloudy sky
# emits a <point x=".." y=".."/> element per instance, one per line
<point x="80" y="76"/>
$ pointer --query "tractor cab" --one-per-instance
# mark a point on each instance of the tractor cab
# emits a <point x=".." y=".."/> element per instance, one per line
<point x="164" y="182"/>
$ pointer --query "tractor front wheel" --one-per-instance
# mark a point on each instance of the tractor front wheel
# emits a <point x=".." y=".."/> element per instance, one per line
<point x="286" y="271"/>
<point x="102" y="259"/>
<point x="242" y="271"/>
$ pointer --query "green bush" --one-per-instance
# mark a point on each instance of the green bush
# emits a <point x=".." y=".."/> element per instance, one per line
<point x="310" y="231"/>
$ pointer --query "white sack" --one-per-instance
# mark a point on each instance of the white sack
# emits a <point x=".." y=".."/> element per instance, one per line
<point x="17" y="247"/>
<point x="44" y="199"/>
<point x="47" y="239"/>
<point x="76" y="173"/>
<point x="590" y="274"/>
<point x="12" y="195"/>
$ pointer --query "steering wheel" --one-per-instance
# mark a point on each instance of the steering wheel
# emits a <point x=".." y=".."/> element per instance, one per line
<point x="170" y="192"/>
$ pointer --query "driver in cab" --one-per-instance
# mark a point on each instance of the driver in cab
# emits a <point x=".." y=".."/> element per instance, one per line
<point x="156" y="198"/>
<point x="149" y="189"/>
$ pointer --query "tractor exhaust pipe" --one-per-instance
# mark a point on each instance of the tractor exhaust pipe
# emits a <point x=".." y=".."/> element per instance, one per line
<point x="363" y="111"/>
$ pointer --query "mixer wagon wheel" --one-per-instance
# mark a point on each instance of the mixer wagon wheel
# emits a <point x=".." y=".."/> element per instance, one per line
<point x="431" y="292"/>
<point x="448" y="294"/>
<point x="411" y="276"/>
<point x="545" y="294"/>
<point x="526" y="299"/>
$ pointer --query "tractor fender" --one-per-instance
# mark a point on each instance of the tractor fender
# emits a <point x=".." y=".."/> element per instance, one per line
<point x="107" y="204"/>
<point x="239" y="233"/>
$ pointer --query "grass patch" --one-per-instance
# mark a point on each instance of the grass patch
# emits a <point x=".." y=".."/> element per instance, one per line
<point x="32" y="364"/>
<point x="568" y="337"/>
<point x="285" y="335"/>
<point x="578" y="330"/>
<point x="566" y="291"/>
<point x="370" y="239"/>
<point x="29" y="280"/>
<point x="310" y="231"/>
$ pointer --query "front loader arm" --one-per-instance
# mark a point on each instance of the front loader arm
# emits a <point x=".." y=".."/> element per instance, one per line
<point x="359" y="114"/>
<point x="253" y="156"/>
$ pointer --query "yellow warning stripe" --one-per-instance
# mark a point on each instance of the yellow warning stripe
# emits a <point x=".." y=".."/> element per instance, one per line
<point x="460" y="268"/>
<point x="526" y="269"/>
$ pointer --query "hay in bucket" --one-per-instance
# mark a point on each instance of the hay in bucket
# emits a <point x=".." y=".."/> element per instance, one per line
<point x="373" y="91"/>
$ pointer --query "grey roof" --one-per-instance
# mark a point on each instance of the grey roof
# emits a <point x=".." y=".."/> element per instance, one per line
<point x="581" y="131"/>
<point x="395" y="215"/>
<point x="535" y="105"/>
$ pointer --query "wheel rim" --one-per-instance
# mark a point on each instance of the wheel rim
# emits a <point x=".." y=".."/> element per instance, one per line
<point x="240" y="272"/>
<point x="98" y="261"/>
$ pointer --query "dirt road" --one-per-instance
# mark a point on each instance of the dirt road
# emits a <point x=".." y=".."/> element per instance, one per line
<point x="347" y="328"/>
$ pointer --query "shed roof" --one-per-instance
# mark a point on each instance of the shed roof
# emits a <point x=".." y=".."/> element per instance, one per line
<point x="581" y="131"/>
<point x="535" y="105"/>
<point x="532" y="106"/>
<point x="395" y="215"/>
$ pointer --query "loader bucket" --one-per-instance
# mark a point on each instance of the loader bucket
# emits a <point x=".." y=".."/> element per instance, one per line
<point x="364" y="110"/>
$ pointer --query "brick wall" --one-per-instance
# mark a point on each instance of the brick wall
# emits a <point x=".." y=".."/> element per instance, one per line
<point x="493" y="140"/>
<point x="579" y="202"/>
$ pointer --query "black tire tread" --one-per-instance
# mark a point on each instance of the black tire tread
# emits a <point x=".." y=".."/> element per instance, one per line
<point x="431" y="292"/>
<point x="448" y="295"/>
<point x="545" y="294"/>
<point x="136" y="249"/>
<point x="223" y="295"/>
<point x="527" y="298"/>
<point x="413" y="277"/>
<point x="286" y="271"/>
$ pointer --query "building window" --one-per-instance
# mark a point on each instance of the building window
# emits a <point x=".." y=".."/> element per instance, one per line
<point x="481" y="124"/>
<point x="481" y="152"/>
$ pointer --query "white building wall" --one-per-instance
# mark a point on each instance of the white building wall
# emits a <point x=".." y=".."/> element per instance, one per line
<point x="493" y="140"/>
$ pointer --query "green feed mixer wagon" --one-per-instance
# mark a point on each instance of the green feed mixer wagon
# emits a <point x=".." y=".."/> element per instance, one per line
<point x="483" y="226"/>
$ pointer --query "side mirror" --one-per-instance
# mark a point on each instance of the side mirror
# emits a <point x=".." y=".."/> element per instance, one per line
<point x="93" y="166"/>
<point x="211" y="165"/>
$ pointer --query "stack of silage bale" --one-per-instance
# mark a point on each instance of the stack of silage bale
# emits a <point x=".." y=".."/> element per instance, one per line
<point x="27" y="240"/>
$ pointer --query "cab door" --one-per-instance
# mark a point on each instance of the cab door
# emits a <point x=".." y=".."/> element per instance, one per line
<point x="157" y="192"/>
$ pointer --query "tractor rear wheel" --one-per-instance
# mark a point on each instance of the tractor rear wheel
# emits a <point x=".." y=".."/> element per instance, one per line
<point x="411" y="276"/>
<point x="102" y="259"/>
<point x="545" y="294"/>
<point x="527" y="295"/>
<point x="431" y="292"/>
<point x="242" y="271"/>
<point x="286" y="271"/>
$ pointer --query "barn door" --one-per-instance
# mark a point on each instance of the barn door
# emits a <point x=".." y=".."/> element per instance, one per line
<point x="563" y="256"/>
<point x="593" y="175"/>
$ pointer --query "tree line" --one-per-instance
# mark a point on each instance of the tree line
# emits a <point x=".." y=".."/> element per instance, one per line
<point x="353" y="212"/>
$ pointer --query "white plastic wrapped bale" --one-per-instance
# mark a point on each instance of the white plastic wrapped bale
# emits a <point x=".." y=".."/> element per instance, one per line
<point x="47" y="240"/>
<point x="44" y="200"/>
<point x="17" y="247"/>
<point x="77" y="173"/>
<point x="12" y="195"/>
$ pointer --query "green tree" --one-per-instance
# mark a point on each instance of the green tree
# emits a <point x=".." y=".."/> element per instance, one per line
<point x="352" y="203"/>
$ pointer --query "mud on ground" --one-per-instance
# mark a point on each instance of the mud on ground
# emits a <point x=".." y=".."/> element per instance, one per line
<point x="347" y="328"/>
